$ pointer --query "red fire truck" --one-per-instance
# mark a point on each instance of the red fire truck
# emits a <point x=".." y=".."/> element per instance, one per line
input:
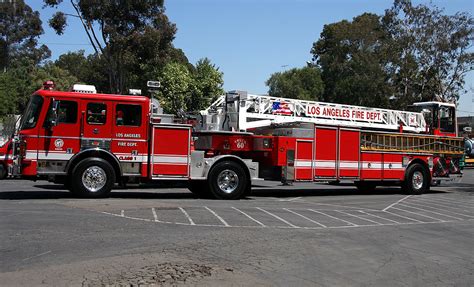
<point x="91" y="141"/>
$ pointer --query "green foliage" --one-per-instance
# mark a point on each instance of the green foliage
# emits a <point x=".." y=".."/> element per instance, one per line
<point x="134" y="38"/>
<point x="176" y="84"/>
<point x="412" y="53"/>
<point x="185" y="89"/>
<point x="431" y="51"/>
<point x="20" y="27"/>
<point x="353" y="57"/>
<point x="298" y="83"/>
<point x="207" y="85"/>
<point x="8" y="94"/>
<point x="63" y="80"/>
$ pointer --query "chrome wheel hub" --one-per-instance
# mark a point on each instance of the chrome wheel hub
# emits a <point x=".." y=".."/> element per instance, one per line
<point x="417" y="180"/>
<point x="94" y="178"/>
<point x="228" y="181"/>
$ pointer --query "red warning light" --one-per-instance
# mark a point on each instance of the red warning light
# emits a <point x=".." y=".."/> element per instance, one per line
<point x="49" y="85"/>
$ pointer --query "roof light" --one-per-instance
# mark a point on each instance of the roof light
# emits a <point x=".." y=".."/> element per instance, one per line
<point x="135" y="92"/>
<point x="49" y="85"/>
<point x="86" y="89"/>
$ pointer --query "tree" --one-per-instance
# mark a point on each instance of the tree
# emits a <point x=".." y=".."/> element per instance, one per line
<point x="176" y="86"/>
<point x="134" y="37"/>
<point x="8" y="94"/>
<point x="20" y="27"/>
<point x="207" y="85"/>
<point x="298" y="83"/>
<point x="91" y="69"/>
<point x="433" y="51"/>
<point x="353" y="57"/>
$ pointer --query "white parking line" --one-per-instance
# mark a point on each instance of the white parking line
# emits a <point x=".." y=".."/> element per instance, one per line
<point x="154" y="214"/>
<point x="443" y="206"/>
<point x="350" y="223"/>
<point x="440" y="208"/>
<point x="442" y="214"/>
<point x="307" y="218"/>
<point x="250" y="217"/>
<point x="371" y="214"/>
<point x="291" y="199"/>
<point x="356" y="216"/>
<point x="218" y="217"/>
<point x="419" y="214"/>
<point x="449" y="204"/>
<point x="395" y="203"/>
<point x="277" y="217"/>
<point x="187" y="216"/>
<point x="406" y="217"/>
<point x="449" y="201"/>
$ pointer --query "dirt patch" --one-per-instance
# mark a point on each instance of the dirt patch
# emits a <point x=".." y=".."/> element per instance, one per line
<point x="154" y="275"/>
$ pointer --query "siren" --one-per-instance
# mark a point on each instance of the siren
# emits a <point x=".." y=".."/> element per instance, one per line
<point x="49" y="85"/>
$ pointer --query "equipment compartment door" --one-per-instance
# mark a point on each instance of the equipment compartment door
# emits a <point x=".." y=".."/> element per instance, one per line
<point x="304" y="160"/>
<point x="171" y="147"/>
<point x="326" y="152"/>
<point x="349" y="151"/>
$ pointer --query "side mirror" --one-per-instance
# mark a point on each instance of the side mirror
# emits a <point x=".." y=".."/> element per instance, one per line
<point x="53" y="119"/>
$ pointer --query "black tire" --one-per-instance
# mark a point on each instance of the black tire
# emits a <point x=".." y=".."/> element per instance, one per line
<point x="3" y="171"/>
<point x="200" y="188"/>
<point x="417" y="179"/>
<point x="100" y="171"/>
<point x="365" y="186"/>
<point x="228" y="171"/>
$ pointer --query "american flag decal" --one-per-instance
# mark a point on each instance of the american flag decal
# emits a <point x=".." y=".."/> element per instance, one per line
<point x="281" y="108"/>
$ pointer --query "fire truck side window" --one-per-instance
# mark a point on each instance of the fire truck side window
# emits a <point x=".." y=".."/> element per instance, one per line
<point x="128" y="115"/>
<point x="446" y="119"/>
<point x="32" y="113"/>
<point x="96" y="113"/>
<point x="67" y="113"/>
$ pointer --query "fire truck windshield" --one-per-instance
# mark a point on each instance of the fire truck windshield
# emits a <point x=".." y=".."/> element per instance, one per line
<point x="32" y="113"/>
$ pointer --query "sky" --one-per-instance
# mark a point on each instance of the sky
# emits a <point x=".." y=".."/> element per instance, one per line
<point x="250" y="39"/>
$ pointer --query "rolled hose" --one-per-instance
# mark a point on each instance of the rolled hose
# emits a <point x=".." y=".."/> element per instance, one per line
<point x="469" y="147"/>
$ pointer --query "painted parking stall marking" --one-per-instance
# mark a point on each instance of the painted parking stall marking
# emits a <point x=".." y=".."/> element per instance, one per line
<point x="407" y="210"/>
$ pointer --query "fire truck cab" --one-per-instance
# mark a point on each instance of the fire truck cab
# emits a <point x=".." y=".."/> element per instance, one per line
<point x="92" y="141"/>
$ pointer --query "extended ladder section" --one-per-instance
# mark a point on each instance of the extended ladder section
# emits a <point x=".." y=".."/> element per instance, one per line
<point x="376" y="141"/>
<point x="240" y="111"/>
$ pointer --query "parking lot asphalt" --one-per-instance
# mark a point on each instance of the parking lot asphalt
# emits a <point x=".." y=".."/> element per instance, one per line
<point x="304" y="235"/>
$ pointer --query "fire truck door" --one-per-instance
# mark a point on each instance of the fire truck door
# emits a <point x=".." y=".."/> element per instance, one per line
<point x="326" y="152"/>
<point x="171" y="147"/>
<point x="349" y="152"/>
<point x="96" y="125"/>
<point x="58" y="142"/>
<point x="304" y="160"/>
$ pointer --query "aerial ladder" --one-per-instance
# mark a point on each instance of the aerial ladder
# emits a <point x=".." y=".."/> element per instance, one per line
<point x="381" y="129"/>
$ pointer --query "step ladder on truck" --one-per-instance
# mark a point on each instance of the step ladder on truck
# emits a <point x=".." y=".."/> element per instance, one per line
<point x="91" y="141"/>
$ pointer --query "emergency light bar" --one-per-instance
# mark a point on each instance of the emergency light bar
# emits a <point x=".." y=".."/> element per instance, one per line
<point x="87" y="89"/>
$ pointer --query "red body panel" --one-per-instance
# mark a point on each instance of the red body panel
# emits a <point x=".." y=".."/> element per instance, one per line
<point x="304" y="160"/>
<point x="171" y="151"/>
<point x="349" y="151"/>
<point x="326" y="152"/>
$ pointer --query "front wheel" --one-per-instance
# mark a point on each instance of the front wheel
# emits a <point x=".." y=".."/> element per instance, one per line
<point x="417" y="179"/>
<point x="228" y="180"/>
<point x="93" y="178"/>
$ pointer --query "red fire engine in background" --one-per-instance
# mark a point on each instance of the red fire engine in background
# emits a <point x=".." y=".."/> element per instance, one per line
<point x="92" y="141"/>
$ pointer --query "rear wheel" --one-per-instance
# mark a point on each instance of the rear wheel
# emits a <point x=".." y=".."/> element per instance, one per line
<point x="365" y="186"/>
<point x="228" y="180"/>
<point x="93" y="177"/>
<point x="417" y="179"/>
